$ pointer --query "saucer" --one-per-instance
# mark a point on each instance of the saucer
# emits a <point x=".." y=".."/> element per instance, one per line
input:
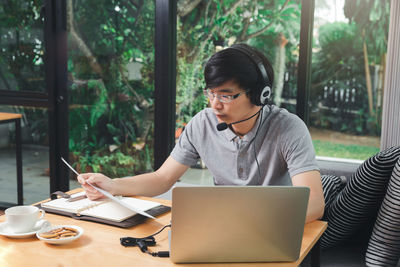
<point x="60" y="241"/>
<point x="4" y="230"/>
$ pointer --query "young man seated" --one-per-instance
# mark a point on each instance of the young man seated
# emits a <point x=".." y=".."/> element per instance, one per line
<point x="242" y="139"/>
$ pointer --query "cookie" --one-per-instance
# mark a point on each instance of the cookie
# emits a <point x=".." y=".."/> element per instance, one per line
<point x="57" y="230"/>
<point x="48" y="235"/>
<point x="62" y="232"/>
<point x="63" y="235"/>
<point x="71" y="229"/>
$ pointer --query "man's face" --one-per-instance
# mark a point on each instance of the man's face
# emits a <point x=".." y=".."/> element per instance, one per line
<point x="237" y="109"/>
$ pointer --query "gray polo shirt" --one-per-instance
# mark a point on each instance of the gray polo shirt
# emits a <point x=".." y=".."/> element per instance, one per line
<point x="282" y="145"/>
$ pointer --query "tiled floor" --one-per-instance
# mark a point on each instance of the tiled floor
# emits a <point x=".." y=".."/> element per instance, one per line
<point x="36" y="184"/>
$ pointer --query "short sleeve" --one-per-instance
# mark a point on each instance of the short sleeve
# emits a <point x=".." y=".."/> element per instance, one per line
<point x="298" y="149"/>
<point x="185" y="151"/>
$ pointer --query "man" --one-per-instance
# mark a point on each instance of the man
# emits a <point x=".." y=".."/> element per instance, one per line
<point x="241" y="139"/>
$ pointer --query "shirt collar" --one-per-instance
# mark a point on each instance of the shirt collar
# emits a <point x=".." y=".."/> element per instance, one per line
<point x="230" y="135"/>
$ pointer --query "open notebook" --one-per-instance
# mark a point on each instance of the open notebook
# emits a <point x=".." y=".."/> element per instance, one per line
<point x="102" y="209"/>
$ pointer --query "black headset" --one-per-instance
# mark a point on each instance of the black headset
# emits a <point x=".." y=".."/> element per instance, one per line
<point x="259" y="96"/>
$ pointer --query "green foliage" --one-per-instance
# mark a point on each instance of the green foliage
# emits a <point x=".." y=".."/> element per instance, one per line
<point x="339" y="53"/>
<point x="372" y="19"/>
<point x="333" y="37"/>
<point x="119" y="163"/>
<point x="338" y="65"/>
<point x="108" y="109"/>
<point x="21" y="46"/>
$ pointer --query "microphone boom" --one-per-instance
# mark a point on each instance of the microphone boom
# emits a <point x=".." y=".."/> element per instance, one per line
<point x="223" y="125"/>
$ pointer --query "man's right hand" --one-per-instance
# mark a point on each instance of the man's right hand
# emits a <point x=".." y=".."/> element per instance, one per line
<point x="96" y="179"/>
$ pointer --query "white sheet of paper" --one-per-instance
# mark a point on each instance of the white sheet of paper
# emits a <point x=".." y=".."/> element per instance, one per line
<point x="126" y="205"/>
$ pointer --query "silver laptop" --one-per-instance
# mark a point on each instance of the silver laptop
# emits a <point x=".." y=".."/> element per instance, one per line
<point x="237" y="223"/>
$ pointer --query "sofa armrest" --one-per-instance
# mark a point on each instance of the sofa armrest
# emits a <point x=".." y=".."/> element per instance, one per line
<point x="337" y="168"/>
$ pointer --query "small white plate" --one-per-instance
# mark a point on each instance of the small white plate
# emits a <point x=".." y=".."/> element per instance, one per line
<point x="4" y="230"/>
<point x="61" y="240"/>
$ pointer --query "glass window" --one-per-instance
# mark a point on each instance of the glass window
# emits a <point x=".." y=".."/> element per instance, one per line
<point x="22" y="69"/>
<point x="35" y="155"/>
<point x="348" y="66"/>
<point x="111" y="82"/>
<point x="21" y="46"/>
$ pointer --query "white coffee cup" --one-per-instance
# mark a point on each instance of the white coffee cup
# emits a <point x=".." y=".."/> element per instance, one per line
<point x="22" y="219"/>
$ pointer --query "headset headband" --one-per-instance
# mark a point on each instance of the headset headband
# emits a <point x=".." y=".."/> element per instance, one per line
<point x="265" y="91"/>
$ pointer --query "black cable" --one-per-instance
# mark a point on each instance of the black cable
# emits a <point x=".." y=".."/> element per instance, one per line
<point x="144" y="242"/>
<point x="248" y="117"/>
<point x="254" y="146"/>
<point x="254" y="149"/>
<point x="168" y="225"/>
<point x="253" y="139"/>
<point x="255" y="135"/>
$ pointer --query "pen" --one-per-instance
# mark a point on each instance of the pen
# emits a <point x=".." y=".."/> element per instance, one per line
<point x="69" y="166"/>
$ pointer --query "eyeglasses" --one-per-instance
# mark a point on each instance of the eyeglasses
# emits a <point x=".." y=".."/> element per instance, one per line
<point x="222" y="98"/>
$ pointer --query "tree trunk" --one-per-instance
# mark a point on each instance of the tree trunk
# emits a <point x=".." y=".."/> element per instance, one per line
<point x="186" y="6"/>
<point x="368" y="79"/>
<point x="92" y="60"/>
<point x="279" y="68"/>
<point x="382" y="72"/>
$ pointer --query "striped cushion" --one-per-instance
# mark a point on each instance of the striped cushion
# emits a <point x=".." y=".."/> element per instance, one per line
<point x="384" y="244"/>
<point x="358" y="203"/>
<point x="331" y="185"/>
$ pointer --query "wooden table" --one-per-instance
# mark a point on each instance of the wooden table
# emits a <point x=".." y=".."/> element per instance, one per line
<point x="16" y="118"/>
<point x="100" y="246"/>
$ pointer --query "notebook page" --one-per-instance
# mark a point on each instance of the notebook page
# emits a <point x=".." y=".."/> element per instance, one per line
<point x="62" y="204"/>
<point x="115" y="212"/>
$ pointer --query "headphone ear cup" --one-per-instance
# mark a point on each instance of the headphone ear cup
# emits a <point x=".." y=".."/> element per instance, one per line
<point x="265" y="94"/>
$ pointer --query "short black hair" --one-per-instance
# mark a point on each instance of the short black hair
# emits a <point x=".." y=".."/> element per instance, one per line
<point x="231" y="64"/>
